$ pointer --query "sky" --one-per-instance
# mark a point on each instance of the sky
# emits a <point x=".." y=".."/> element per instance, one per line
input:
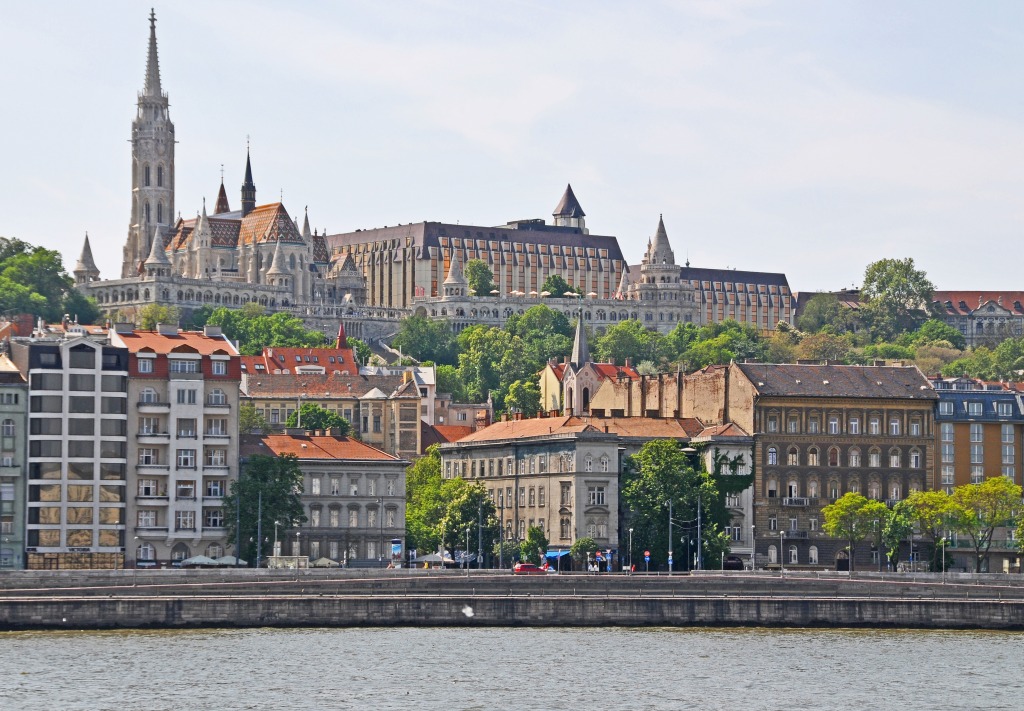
<point x="809" y="138"/>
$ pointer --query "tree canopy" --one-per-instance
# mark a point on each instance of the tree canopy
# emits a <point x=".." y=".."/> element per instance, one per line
<point x="557" y="286"/>
<point x="853" y="518"/>
<point x="33" y="281"/>
<point x="978" y="509"/>
<point x="479" y="277"/>
<point x="426" y="340"/>
<point x="897" y="296"/>
<point x="268" y="485"/>
<point x="312" y="416"/>
<point x="254" y="329"/>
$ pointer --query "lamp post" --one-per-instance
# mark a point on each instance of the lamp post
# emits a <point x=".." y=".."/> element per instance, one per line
<point x="259" y="529"/>
<point x="480" y="535"/>
<point x="753" y="548"/>
<point x="670" y="540"/>
<point x="465" y="556"/>
<point x="380" y="522"/>
<point x="298" y="544"/>
<point x="700" y="539"/>
<point x="782" y="556"/>
<point x="630" y="550"/>
<point x="277" y="549"/>
<point x="238" y="512"/>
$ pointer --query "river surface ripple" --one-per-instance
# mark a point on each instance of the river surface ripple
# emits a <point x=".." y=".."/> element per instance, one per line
<point x="457" y="669"/>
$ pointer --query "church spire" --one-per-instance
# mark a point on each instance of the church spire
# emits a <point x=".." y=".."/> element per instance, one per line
<point x="86" y="270"/>
<point x="569" y="213"/>
<point x="222" y="200"/>
<point x="152" y="62"/>
<point x="580" y="350"/>
<point x="248" y="187"/>
<point x="305" y="226"/>
<point x="660" y="251"/>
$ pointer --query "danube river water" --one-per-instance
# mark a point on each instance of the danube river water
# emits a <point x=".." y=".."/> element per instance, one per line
<point x="499" y="668"/>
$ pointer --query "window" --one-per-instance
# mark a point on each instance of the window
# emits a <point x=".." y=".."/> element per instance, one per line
<point x="977" y="454"/>
<point x="146" y="519"/>
<point x="833" y="490"/>
<point x="219" y="367"/>
<point x="773" y="423"/>
<point x="833" y="457"/>
<point x="564" y="528"/>
<point x="540" y="496"/>
<point x="894" y="426"/>
<point x="178" y="365"/>
<point x="588" y="464"/>
<point x="314" y="518"/>
<point x="185" y="520"/>
<point x="773" y="523"/>
<point x="793" y="457"/>
<point x="1004" y="409"/>
<point x="976" y="432"/>
<point x="353" y="518"/>
<point x="522" y="496"/>
<point x="147" y="487"/>
<point x="217" y="397"/>
<point x="187" y="458"/>
<point x="186" y="397"/>
<point x="773" y="488"/>
<point x="1007" y="453"/>
<point x="946" y="431"/>
<point x="812" y="555"/>
<point x="833" y="425"/>
<point x="974" y="409"/>
<point x="335" y="486"/>
<point x="773" y="555"/>
<point x="389" y="518"/>
<point x="315" y="486"/>
<point x="812" y="523"/>
<point x="915" y="428"/>
<point x="187" y="427"/>
<point x="522" y="528"/>
<point x="874" y="458"/>
<point x="812" y="457"/>
<point x="773" y="456"/>
<point x="854" y="425"/>
<point x="945" y="407"/>
<point x="213" y="518"/>
<point x="894" y="459"/>
<point x="793" y="523"/>
<point x="533" y="496"/>
<point x="595" y="495"/>
<point x="566" y="495"/>
<point x="977" y="474"/>
<point x="1006" y="434"/>
<point x="214" y="488"/>
<point x="334" y="517"/>
<point x="148" y="396"/>
<point x="915" y="459"/>
<point x="216" y="458"/>
<point x="376" y="423"/>
<point x="186" y="489"/>
<point x="947" y="453"/>
<point x="7" y="429"/>
<point x="812" y="489"/>
<point x="371" y="487"/>
<point x="793" y="424"/>
<point x="149" y="456"/>
<point x="947" y="474"/>
<point x="216" y="427"/>
<point x="794" y="557"/>
<point x="149" y="425"/>
<point x="604" y="464"/>
<point x="812" y="425"/>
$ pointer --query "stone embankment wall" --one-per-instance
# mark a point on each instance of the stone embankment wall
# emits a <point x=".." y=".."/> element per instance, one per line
<point x="247" y="598"/>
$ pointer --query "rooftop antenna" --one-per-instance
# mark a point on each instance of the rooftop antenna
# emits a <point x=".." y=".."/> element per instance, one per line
<point x="222" y="172"/>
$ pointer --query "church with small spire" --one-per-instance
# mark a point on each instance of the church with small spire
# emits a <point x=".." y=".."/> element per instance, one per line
<point x="255" y="254"/>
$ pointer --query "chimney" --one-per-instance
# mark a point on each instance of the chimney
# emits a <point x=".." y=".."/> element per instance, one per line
<point x="553" y="413"/>
<point x="629" y="362"/>
<point x="167" y="329"/>
<point x="124" y="328"/>
<point x="296" y="432"/>
<point x="212" y="331"/>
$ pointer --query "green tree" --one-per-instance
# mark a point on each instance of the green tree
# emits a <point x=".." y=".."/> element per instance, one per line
<point x="424" y="504"/>
<point x="661" y="472"/>
<point x="721" y="343"/>
<point x="467" y="505"/>
<point x="152" y="314"/>
<point x="426" y="339"/>
<point x="253" y="329"/>
<point x="360" y="350"/>
<point x="627" y="339"/>
<point x="523" y="396"/>
<point x="479" y="277"/>
<point x="929" y="513"/>
<point x="505" y="553"/>
<point x="979" y="363"/>
<point x="897" y="296"/>
<point x="556" y="286"/>
<point x="824" y="346"/>
<point x="581" y="550"/>
<point x="449" y="381"/>
<point x="271" y="485"/>
<point x="197" y="318"/>
<point x="977" y="510"/>
<point x="311" y="416"/>
<point x="545" y="334"/>
<point x="896" y="528"/>
<point x="251" y="420"/>
<point x="33" y="281"/>
<point x="826" y="312"/>
<point x="534" y="547"/>
<point x="491" y="360"/>
<point x="933" y="330"/>
<point x="852" y="518"/>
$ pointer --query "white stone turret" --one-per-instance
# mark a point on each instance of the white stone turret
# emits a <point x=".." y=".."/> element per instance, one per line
<point x="455" y="283"/>
<point x="157" y="264"/>
<point x="85" y="269"/>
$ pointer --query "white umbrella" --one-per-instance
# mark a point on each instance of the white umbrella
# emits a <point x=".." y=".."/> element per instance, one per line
<point x="198" y="560"/>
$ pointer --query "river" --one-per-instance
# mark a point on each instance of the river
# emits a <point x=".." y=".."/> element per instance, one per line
<point x="510" y="668"/>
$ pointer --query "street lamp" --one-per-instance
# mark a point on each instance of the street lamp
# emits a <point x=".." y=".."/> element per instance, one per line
<point x="753" y="548"/>
<point x="782" y="556"/>
<point x="465" y="556"/>
<point x="670" y="541"/>
<point x="380" y="522"/>
<point x="630" y="550"/>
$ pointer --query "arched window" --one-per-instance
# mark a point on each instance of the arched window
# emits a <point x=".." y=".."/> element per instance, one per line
<point x="159" y="213"/>
<point x="773" y="554"/>
<point x="812" y="555"/>
<point x="792" y="489"/>
<point x="793" y="457"/>
<point x="794" y="555"/>
<point x="874" y="458"/>
<point x="159" y="176"/>
<point x="873" y="490"/>
<point x="812" y="489"/>
<point x="812" y="457"/>
<point x="773" y="456"/>
<point x="854" y="457"/>
<point x="833" y="490"/>
<point x="147" y="212"/>
<point x="145" y="180"/>
<point x="895" y="491"/>
<point x="894" y="458"/>
<point x="833" y="457"/>
<point x="773" y="488"/>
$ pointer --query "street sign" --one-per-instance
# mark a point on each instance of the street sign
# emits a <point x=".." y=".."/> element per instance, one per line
<point x="647" y="556"/>
<point x="670" y="562"/>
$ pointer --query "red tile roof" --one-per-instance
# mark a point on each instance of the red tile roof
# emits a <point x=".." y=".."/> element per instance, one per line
<point x="612" y="371"/>
<point x="182" y="342"/>
<point x="441" y="434"/>
<point x="284" y="359"/>
<point x="313" y="447"/>
<point x="729" y="430"/>
<point x="319" y="387"/>
<point x="533" y="427"/>
<point x="1012" y="301"/>
<point x="649" y="427"/>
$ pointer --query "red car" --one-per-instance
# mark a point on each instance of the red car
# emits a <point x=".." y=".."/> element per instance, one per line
<point x="528" y="569"/>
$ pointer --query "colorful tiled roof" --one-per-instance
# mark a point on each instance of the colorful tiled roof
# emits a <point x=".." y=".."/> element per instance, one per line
<point x="266" y="223"/>
<point x="181" y="342"/>
<point x="287" y="359"/>
<point x="313" y="447"/>
<point x="963" y="303"/>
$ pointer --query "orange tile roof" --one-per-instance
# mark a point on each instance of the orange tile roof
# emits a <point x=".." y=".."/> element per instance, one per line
<point x="1012" y="301"/>
<point x="182" y="342"/>
<point x="316" y="386"/>
<point x="313" y="447"/>
<point x="284" y="359"/>
<point x="612" y="371"/>
<point x="441" y="434"/>
<point x="533" y="427"/>
<point x="268" y="223"/>
<point x="649" y="427"/>
<point x="729" y="430"/>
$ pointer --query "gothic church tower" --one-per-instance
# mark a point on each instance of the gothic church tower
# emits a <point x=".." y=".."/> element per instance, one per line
<point x="152" y="166"/>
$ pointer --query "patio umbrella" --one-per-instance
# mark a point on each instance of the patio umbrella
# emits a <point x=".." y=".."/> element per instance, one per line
<point x="197" y="561"/>
<point x="230" y="560"/>
<point x="324" y="563"/>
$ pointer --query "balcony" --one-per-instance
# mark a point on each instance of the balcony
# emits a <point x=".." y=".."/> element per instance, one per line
<point x="217" y="405"/>
<point x="11" y="471"/>
<point x="153" y="406"/>
<point x="185" y="376"/>
<point x="216" y="435"/>
<point x="153" y="437"/>
<point x="151" y="529"/>
<point x="795" y="501"/>
<point x="796" y="534"/>
<point x="153" y="468"/>
<point x="153" y="499"/>
<point x="212" y="499"/>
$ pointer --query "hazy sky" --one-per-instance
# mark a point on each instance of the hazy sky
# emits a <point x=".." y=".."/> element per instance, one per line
<point x="803" y="137"/>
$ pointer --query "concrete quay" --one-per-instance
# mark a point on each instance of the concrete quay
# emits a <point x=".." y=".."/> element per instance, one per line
<point x="248" y="598"/>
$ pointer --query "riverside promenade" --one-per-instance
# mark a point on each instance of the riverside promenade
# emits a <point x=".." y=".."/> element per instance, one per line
<point x="341" y="598"/>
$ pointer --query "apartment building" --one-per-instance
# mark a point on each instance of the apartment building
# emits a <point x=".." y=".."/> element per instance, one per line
<point x="182" y="450"/>
<point x="77" y="451"/>
<point x="13" y="440"/>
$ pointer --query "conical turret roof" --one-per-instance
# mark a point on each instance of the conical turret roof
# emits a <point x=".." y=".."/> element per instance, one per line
<point x="455" y="275"/>
<point x="660" y="251"/>
<point x="157" y="251"/>
<point x="277" y="267"/>
<point x="569" y="206"/>
<point x="85" y="262"/>
<point x="222" y="200"/>
<point x="305" y="226"/>
<point x="580" y="349"/>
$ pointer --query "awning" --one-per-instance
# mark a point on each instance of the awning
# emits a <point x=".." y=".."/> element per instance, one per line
<point x="556" y="554"/>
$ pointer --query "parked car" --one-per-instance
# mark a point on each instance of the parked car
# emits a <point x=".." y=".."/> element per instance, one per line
<point x="732" y="562"/>
<point x="527" y="569"/>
